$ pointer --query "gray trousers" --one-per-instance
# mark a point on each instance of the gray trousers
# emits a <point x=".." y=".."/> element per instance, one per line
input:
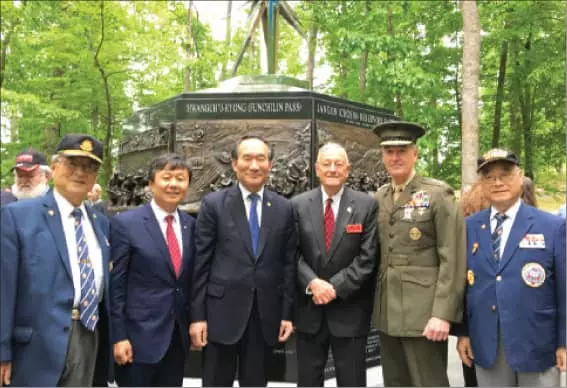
<point x="78" y="370"/>
<point x="502" y="375"/>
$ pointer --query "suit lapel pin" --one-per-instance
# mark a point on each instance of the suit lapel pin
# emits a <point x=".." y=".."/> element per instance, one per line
<point x="269" y="204"/>
<point x="50" y="212"/>
<point x="483" y="226"/>
<point x="349" y="209"/>
<point x="94" y="216"/>
<point x="110" y="266"/>
<point x="184" y="226"/>
<point x="106" y="241"/>
<point x="474" y="248"/>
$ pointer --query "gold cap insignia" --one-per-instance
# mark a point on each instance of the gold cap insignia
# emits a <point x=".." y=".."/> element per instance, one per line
<point x="495" y="154"/>
<point x="86" y="145"/>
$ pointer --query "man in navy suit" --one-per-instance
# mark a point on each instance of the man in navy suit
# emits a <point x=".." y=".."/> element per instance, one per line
<point x="515" y="298"/>
<point x="244" y="276"/>
<point x="152" y="253"/>
<point x="54" y="276"/>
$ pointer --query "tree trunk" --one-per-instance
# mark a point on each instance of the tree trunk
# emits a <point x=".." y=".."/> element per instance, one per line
<point x="312" y="51"/>
<point x="392" y="56"/>
<point x="499" y="95"/>
<point x="227" y="38"/>
<point x="471" y="69"/>
<point x="189" y="48"/>
<point x="108" y="119"/>
<point x="364" y="60"/>
<point x="343" y="72"/>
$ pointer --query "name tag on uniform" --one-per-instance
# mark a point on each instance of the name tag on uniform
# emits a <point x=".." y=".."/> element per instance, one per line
<point x="533" y="241"/>
<point x="354" y="228"/>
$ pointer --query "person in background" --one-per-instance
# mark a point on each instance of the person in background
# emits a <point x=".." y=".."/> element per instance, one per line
<point x="54" y="263"/>
<point x="514" y="328"/>
<point x="94" y="199"/>
<point x="152" y="252"/>
<point x="528" y="192"/>
<point x="31" y="177"/>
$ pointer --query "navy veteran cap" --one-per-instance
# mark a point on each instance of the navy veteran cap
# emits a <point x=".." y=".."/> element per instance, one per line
<point x="496" y="155"/>
<point x="398" y="133"/>
<point x="29" y="160"/>
<point x="75" y="144"/>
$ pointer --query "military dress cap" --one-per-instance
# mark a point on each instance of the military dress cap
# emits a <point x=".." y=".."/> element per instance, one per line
<point x="398" y="133"/>
<point x="76" y="144"/>
<point x="29" y="160"/>
<point x="496" y="155"/>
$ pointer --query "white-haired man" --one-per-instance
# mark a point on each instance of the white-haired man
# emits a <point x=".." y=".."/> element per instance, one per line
<point x="31" y="177"/>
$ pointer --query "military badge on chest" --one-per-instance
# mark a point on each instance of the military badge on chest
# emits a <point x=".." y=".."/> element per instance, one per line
<point x="420" y="201"/>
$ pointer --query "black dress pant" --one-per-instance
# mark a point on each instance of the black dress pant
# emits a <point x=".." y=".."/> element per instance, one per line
<point x="349" y="356"/>
<point x="168" y="372"/>
<point x="249" y="354"/>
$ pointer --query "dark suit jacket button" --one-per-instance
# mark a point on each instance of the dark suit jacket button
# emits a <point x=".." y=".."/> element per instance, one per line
<point x="66" y="328"/>
<point x="178" y="290"/>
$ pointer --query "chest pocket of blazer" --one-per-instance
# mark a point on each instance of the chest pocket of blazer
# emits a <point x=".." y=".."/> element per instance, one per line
<point x="22" y="334"/>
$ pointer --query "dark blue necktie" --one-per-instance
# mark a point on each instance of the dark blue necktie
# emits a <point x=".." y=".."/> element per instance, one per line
<point x="497" y="235"/>
<point x="88" y="306"/>
<point x="253" y="223"/>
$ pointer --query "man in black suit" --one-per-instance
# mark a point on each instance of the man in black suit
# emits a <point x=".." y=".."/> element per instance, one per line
<point x="337" y="259"/>
<point x="244" y="274"/>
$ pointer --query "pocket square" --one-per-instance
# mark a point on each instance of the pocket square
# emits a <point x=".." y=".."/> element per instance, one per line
<point x="354" y="228"/>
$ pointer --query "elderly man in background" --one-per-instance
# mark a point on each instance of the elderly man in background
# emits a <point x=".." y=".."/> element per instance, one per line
<point x="94" y="199"/>
<point x="31" y="177"/>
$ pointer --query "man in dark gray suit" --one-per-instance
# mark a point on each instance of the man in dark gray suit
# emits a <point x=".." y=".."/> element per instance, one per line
<point x="337" y="260"/>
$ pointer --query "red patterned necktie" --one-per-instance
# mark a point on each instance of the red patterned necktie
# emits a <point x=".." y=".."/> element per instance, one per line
<point x="329" y="223"/>
<point x="173" y="245"/>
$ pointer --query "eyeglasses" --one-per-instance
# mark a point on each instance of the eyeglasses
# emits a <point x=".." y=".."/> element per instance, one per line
<point x="85" y="164"/>
<point x="506" y="178"/>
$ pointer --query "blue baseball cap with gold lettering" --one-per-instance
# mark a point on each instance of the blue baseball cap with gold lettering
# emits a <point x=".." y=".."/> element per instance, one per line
<point x="398" y="133"/>
<point x="76" y="144"/>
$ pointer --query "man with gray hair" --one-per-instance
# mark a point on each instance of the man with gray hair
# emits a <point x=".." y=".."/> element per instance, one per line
<point x="31" y="177"/>
<point x="337" y="259"/>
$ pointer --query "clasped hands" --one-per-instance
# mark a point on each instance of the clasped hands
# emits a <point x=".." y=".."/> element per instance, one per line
<point x="323" y="292"/>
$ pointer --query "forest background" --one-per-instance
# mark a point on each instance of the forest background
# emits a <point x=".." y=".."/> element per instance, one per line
<point x="85" y="66"/>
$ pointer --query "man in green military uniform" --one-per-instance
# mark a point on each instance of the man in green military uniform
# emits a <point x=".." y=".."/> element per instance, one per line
<point x="423" y="262"/>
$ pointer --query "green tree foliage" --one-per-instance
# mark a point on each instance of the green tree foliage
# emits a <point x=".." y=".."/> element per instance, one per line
<point x="402" y="55"/>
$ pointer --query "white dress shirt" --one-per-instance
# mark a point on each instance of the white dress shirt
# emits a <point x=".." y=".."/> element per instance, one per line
<point x="176" y="223"/>
<point x="95" y="253"/>
<point x="336" y="201"/>
<point x="506" y="225"/>
<point x="248" y="202"/>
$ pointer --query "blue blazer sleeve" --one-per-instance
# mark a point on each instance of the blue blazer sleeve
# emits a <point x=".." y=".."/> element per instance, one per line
<point x="120" y="252"/>
<point x="9" y="262"/>
<point x="559" y="253"/>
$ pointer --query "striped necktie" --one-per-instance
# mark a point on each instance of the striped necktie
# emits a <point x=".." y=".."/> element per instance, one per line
<point x="88" y="306"/>
<point x="497" y="235"/>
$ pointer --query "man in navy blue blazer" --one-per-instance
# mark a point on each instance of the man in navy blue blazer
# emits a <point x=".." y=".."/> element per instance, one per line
<point x="515" y="299"/>
<point x="54" y="260"/>
<point x="244" y="276"/>
<point x="152" y="251"/>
